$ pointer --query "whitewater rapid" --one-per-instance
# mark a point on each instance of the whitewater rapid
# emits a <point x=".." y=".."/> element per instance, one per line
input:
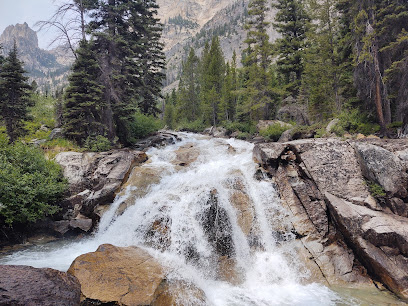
<point x="264" y="257"/>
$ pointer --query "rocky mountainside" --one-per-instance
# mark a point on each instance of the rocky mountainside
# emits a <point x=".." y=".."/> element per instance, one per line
<point x="190" y="23"/>
<point x="48" y="68"/>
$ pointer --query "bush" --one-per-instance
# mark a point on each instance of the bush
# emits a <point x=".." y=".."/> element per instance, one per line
<point x="142" y="126"/>
<point x="376" y="190"/>
<point x="274" y="131"/>
<point x="30" y="184"/>
<point x="196" y="126"/>
<point x="243" y="127"/>
<point x="354" y="122"/>
<point x="97" y="143"/>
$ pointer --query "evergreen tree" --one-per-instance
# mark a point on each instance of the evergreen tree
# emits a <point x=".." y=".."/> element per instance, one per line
<point x="189" y="88"/>
<point x="322" y="62"/>
<point x="84" y="98"/>
<point x="15" y="95"/>
<point x="292" y="22"/>
<point x="259" y="96"/>
<point x="213" y="70"/>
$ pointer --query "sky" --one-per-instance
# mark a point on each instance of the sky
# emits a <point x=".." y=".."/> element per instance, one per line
<point x="30" y="11"/>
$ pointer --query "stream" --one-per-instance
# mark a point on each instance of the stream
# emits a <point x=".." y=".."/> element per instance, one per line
<point x="204" y="209"/>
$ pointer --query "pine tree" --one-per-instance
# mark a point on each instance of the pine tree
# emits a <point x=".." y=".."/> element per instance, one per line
<point x="213" y="70"/>
<point x="84" y="98"/>
<point x="292" y="22"/>
<point x="15" y="95"/>
<point x="189" y="88"/>
<point x="322" y="61"/>
<point x="259" y="96"/>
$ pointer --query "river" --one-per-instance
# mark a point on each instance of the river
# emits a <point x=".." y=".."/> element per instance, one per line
<point x="218" y="223"/>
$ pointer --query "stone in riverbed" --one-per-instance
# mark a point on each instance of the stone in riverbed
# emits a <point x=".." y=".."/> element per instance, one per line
<point x="124" y="276"/>
<point x="23" y="285"/>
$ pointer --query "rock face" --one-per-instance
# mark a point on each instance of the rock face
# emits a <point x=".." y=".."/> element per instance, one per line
<point x="23" y="285"/>
<point x="94" y="179"/>
<point x="38" y="62"/>
<point x="124" y="276"/>
<point x="345" y="230"/>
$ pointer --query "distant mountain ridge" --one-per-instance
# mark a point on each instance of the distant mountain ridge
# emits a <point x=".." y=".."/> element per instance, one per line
<point x="49" y="69"/>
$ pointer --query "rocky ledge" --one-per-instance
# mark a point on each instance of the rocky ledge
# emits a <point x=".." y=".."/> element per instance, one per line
<point x="349" y="206"/>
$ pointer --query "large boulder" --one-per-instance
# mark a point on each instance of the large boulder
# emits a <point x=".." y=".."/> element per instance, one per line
<point x="23" y="285"/>
<point x="94" y="179"/>
<point x="383" y="167"/>
<point x="118" y="276"/>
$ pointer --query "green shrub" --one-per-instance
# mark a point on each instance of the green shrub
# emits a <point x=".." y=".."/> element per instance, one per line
<point x="244" y="127"/>
<point x="196" y="126"/>
<point x="30" y="184"/>
<point x="353" y="121"/>
<point x="376" y="190"/>
<point x="97" y="143"/>
<point x="142" y="126"/>
<point x="274" y="131"/>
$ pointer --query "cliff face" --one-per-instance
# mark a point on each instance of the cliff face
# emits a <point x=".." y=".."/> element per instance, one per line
<point x="48" y="68"/>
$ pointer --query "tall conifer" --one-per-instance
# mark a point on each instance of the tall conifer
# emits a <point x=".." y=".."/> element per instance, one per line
<point x="15" y="95"/>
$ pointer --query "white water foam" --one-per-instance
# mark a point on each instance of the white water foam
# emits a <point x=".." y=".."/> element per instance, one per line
<point x="269" y="269"/>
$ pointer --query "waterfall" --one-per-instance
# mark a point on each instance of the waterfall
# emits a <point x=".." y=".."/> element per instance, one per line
<point x="211" y="216"/>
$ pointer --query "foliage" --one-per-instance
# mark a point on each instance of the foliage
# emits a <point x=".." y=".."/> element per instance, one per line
<point x="376" y="190"/>
<point x="274" y="132"/>
<point x="97" y="143"/>
<point x="353" y="121"/>
<point x="196" y="126"/>
<point x="14" y="95"/>
<point x="142" y="126"/>
<point x="244" y="127"/>
<point x="83" y="100"/>
<point x="31" y="185"/>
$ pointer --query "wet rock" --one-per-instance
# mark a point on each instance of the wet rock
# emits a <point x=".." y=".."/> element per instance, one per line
<point x="380" y="240"/>
<point x="158" y="140"/>
<point x="94" y="178"/>
<point x="123" y="276"/>
<point x="219" y="132"/>
<point x="84" y="224"/>
<point x="23" y="285"/>
<point x="217" y="226"/>
<point x="228" y="271"/>
<point x="185" y="155"/>
<point x="313" y="173"/>
<point x="178" y="293"/>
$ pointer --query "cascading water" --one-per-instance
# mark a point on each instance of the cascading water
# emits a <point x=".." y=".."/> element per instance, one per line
<point x="211" y="219"/>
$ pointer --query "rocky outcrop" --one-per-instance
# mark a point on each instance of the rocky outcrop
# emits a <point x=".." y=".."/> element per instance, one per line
<point x="94" y="179"/>
<point x="118" y="276"/>
<point x="343" y="228"/>
<point x="23" y="285"/>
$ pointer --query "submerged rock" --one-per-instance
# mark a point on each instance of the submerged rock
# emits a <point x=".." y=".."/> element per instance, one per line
<point x="118" y="276"/>
<point x="344" y="229"/>
<point x="178" y="293"/>
<point x="23" y="285"/>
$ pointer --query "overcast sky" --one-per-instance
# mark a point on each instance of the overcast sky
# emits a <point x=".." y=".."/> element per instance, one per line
<point x="30" y="11"/>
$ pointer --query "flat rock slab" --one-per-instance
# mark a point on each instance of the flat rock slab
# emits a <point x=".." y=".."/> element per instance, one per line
<point x="24" y="285"/>
<point x="124" y="276"/>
